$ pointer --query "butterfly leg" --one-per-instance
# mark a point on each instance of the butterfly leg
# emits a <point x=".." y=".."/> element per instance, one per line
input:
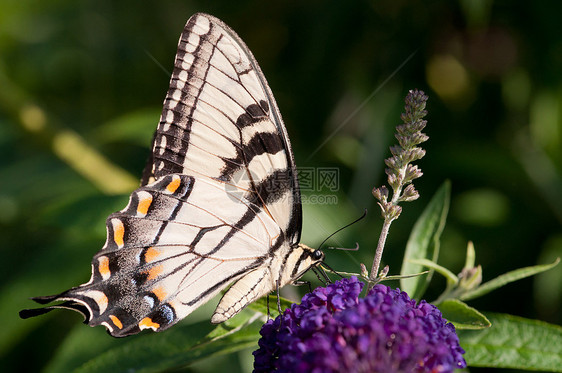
<point x="321" y="276"/>
<point x="278" y="296"/>
<point x="277" y="287"/>
<point x="267" y="304"/>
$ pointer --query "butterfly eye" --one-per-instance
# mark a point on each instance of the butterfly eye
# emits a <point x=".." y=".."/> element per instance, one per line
<point x="317" y="255"/>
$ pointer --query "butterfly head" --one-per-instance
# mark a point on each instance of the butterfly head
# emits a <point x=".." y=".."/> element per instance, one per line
<point x="314" y="255"/>
<point x="317" y="255"/>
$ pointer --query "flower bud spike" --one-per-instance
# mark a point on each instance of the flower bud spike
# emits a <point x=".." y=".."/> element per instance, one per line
<point x="399" y="170"/>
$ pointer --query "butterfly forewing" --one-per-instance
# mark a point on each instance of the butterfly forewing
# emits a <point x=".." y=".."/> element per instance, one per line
<point x="220" y="120"/>
<point x="219" y="201"/>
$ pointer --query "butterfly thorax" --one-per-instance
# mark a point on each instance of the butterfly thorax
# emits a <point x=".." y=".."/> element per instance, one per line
<point x="287" y="266"/>
<point x="298" y="259"/>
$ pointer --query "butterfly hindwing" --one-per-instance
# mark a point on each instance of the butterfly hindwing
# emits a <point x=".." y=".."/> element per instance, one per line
<point x="162" y="246"/>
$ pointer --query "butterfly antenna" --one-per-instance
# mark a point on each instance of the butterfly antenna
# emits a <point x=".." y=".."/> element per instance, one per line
<point x="356" y="248"/>
<point x="342" y="228"/>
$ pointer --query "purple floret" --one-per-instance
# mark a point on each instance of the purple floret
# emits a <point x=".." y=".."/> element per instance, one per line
<point x="333" y="330"/>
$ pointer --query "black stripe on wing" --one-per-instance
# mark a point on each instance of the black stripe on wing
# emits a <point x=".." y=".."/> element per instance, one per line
<point x="193" y="101"/>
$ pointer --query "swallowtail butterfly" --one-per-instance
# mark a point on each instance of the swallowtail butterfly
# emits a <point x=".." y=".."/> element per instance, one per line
<point x="219" y="201"/>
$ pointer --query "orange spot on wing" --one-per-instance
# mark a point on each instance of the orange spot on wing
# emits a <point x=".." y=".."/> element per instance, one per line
<point x="160" y="293"/>
<point x="104" y="267"/>
<point x="148" y="323"/>
<point x="154" y="272"/>
<point x="118" y="232"/>
<point x="116" y="321"/>
<point x="151" y="254"/>
<point x="144" y="204"/>
<point x="174" y="184"/>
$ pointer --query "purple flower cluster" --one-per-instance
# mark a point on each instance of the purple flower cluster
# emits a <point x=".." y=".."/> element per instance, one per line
<point x="333" y="330"/>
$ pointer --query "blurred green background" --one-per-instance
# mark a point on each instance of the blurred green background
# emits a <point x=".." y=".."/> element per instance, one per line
<point x="81" y="87"/>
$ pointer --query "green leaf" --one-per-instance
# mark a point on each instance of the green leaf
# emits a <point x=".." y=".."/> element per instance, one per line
<point x="450" y="276"/>
<point x="177" y="349"/>
<point x="424" y="241"/>
<point x="506" y="278"/>
<point x="399" y="277"/>
<point x="462" y="315"/>
<point x="261" y="305"/>
<point x="180" y="346"/>
<point x="514" y="342"/>
<point x="470" y="255"/>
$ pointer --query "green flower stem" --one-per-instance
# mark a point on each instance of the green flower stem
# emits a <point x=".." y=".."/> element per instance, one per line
<point x="378" y="253"/>
<point x="382" y="238"/>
